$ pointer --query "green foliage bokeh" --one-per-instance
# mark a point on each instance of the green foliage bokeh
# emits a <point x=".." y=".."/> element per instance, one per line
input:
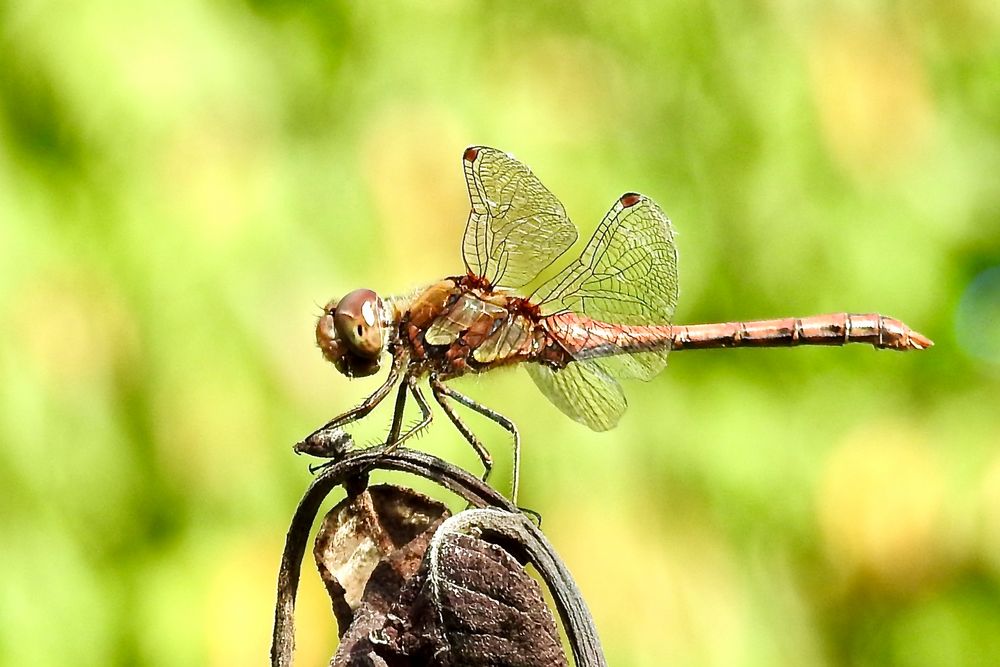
<point x="183" y="184"/>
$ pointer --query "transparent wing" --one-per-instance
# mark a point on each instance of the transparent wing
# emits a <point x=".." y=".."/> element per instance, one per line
<point x="465" y="313"/>
<point x="516" y="227"/>
<point x="627" y="274"/>
<point x="583" y="391"/>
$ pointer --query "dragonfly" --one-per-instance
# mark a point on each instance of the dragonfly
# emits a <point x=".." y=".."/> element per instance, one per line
<point x="604" y="318"/>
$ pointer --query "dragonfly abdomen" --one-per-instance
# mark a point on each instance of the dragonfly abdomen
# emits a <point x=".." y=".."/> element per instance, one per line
<point x="833" y="329"/>
<point x="586" y="338"/>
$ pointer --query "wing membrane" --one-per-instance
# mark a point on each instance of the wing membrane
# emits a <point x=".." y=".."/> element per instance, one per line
<point x="627" y="274"/>
<point x="583" y="391"/>
<point x="468" y="310"/>
<point x="516" y="227"/>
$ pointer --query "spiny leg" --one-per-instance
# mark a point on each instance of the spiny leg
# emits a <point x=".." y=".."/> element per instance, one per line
<point x="395" y="440"/>
<point x="440" y="395"/>
<point x="354" y="414"/>
<point x="507" y="424"/>
<point x="397" y="413"/>
<point x="410" y="382"/>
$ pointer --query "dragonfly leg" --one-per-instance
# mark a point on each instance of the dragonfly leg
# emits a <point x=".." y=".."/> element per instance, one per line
<point x="440" y="394"/>
<point x="309" y="445"/>
<point x="508" y="425"/>
<point x="395" y="439"/>
<point x="397" y="413"/>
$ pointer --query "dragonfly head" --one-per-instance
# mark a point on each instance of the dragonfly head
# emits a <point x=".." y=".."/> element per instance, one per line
<point x="351" y="333"/>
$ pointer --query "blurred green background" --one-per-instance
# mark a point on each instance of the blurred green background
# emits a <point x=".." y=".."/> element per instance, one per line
<point x="182" y="184"/>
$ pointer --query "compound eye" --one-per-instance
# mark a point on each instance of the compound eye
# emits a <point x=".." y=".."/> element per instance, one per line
<point x="357" y="321"/>
<point x="326" y="334"/>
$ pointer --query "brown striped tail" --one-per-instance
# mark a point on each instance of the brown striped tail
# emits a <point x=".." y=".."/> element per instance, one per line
<point x="833" y="329"/>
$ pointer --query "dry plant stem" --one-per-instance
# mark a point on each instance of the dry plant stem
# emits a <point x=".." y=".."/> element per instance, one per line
<point x="503" y="524"/>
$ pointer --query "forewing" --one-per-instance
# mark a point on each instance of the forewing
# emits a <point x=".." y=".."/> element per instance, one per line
<point x="584" y="391"/>
<point x="627" y="274"/>
<point x="507" y="339"/>
<point x="467" y="311"/>
<point x="516" y="227"/>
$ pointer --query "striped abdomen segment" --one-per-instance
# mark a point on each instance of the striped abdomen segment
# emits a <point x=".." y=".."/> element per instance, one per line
<point x="586" y="338"/>
<point x="877" y="330"/>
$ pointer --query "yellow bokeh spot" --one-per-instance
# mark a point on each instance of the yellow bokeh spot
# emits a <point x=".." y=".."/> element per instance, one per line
<point x="880" y="507"/>
<point x="870" y="92"/>
<point x="240" y="602"/>
<point x="412" y="163"/>
<point x="73" y="326"/>
<point x="672" y="602"/>
<point x="990" y="510"/>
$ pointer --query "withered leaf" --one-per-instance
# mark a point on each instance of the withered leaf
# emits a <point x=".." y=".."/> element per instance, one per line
<point x="471" y="604"/>
<point x="406" y="593"/>
<point x="439" y="591"/>
<point x="372" y="530"/>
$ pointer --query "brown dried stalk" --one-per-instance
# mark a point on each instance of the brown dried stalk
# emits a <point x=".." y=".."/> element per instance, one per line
<point x="496" y="522"/>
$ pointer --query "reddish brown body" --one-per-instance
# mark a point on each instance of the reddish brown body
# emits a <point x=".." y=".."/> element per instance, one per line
<point x="450" y="322"/>
<point x="604" y="317"/>
<point x="585" y="338"/>
<point x="458" y="326"/>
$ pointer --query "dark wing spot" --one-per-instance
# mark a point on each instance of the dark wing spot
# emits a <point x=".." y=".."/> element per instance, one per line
<point x="471" y="153"/>
<point x="630" y="199"/>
